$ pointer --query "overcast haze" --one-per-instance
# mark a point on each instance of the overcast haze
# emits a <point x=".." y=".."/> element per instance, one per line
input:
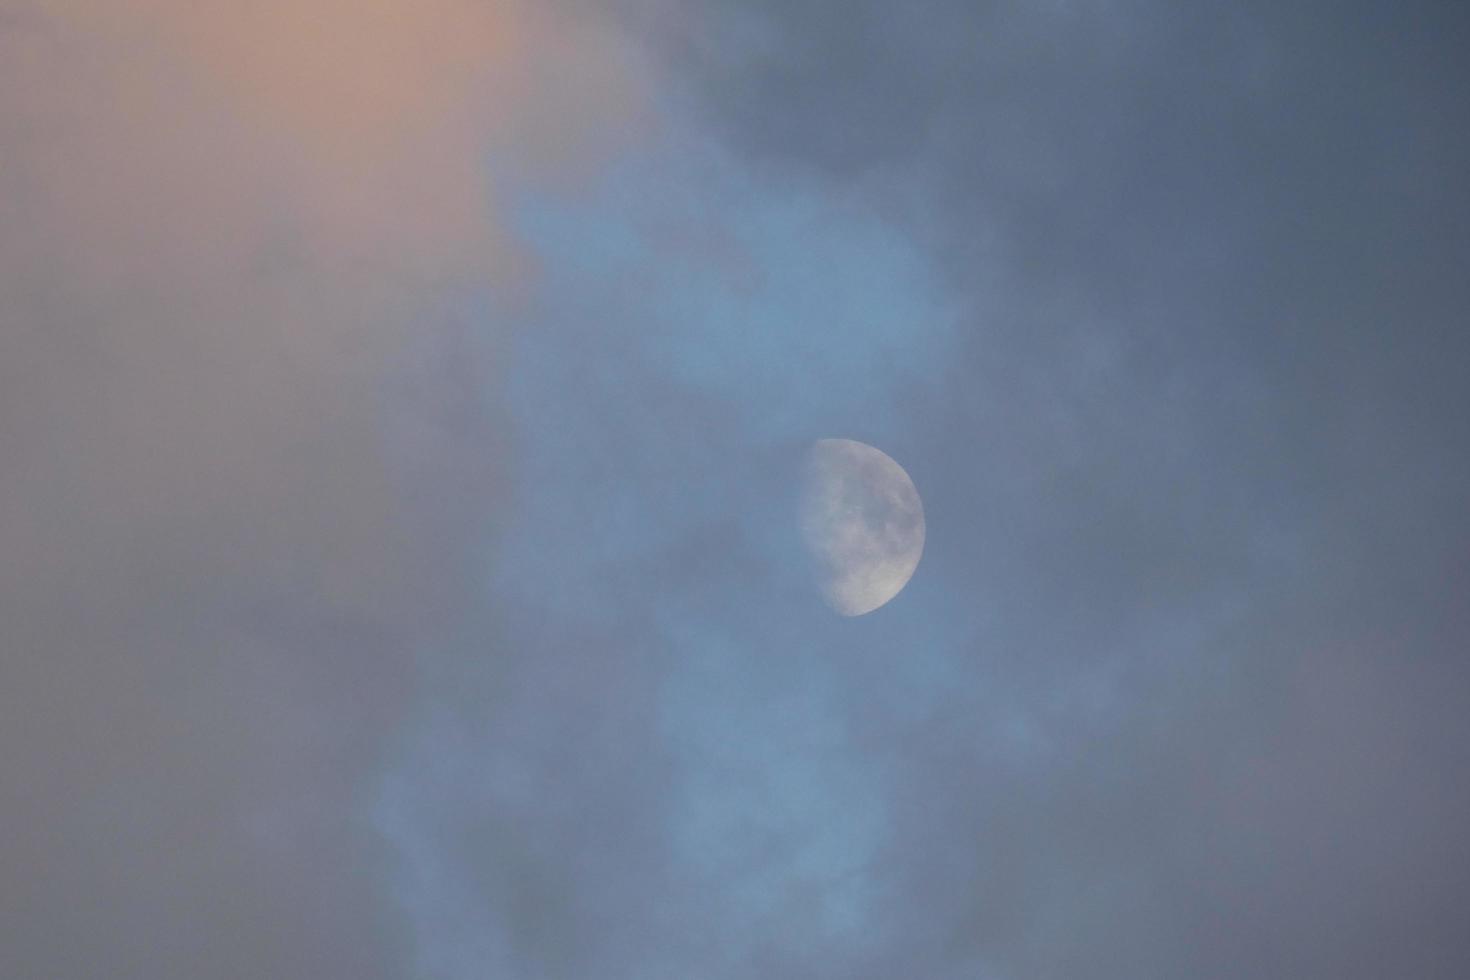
<point x="402" y="408"/>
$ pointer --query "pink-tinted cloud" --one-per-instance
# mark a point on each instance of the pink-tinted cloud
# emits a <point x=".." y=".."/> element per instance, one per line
<point x="227" y="232"/>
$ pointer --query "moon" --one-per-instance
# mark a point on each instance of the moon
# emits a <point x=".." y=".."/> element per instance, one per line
<point x="862" y="523"/>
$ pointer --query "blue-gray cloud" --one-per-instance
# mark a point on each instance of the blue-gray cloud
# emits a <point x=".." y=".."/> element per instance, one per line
<point x="1155" y="305"/>
<point x="650" y="615"/>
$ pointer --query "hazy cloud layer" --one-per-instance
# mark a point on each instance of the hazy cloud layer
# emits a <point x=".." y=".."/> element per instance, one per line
<point x="401" y="563"/>
<point x="241" y="439"/>
<point x="1159" y="308"/>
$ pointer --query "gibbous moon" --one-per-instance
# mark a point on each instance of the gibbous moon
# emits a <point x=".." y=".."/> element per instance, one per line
<point x="862" y="522"/>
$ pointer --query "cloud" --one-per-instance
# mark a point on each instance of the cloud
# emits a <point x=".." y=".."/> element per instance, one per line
<point x="1192" y="471"/>
<point x="363" y="486"/>
<point x="637" y="759"/>
<point x="1153" y="306"/>
<point x="242" y="427"/>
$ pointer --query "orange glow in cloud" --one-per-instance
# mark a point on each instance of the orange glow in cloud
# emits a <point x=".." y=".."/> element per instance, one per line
<point x="221" y="223"/>
<point x="369" y="121"/>
<point x="228" y="230"/>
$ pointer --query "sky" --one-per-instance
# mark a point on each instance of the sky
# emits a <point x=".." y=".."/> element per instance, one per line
<point x="402" y="410"/>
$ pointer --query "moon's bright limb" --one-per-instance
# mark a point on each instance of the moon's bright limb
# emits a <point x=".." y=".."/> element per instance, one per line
<point x="862" y="522"/>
